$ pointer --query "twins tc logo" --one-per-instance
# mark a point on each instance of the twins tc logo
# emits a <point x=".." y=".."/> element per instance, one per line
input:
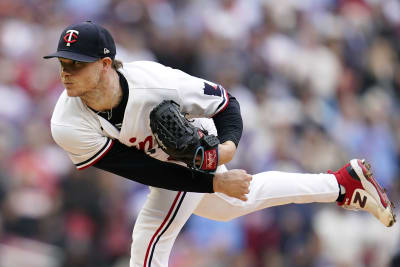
<point x="71" y="37"/>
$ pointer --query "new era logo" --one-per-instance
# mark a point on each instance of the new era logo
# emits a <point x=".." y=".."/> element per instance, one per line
<point x="106" y="51"/>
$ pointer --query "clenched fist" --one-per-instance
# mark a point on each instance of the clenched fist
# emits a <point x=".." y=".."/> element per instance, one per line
<point x="234" y="183"/>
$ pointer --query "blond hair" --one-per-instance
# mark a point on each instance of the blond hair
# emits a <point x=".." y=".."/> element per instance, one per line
<point x="116" y="64"/>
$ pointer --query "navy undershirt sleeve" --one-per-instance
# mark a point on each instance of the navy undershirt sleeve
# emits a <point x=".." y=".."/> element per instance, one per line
<point x="135" y="165"/>
<point x="229" y="122"/>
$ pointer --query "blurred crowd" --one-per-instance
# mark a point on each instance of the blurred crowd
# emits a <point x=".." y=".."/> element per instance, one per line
<point x="318" y="82"/>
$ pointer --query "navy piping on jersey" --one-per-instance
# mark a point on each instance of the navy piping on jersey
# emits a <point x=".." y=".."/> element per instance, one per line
<point x="162" y="229"/>
<point x="224" y="103"/>
<point x="96" y="157"/>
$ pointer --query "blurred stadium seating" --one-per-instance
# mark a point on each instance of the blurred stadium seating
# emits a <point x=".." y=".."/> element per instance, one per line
<point x="318" y="82"/>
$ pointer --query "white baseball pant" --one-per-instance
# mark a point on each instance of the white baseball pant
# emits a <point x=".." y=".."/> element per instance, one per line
<point x="165" y="212"/>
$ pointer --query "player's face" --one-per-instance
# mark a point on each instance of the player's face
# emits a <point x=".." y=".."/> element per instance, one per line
<point x="80" y="77"/>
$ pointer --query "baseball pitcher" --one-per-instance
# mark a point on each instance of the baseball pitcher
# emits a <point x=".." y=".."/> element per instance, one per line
<point x="174" y="132"/>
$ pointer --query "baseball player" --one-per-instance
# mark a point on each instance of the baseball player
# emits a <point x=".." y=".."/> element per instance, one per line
<point x="102" y="119"/>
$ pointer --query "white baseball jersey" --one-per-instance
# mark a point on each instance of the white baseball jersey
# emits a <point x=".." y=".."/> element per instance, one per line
<point x="86" y="136"/>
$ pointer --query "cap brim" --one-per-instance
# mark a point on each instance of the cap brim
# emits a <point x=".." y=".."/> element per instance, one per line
<point x="73" y="56"/>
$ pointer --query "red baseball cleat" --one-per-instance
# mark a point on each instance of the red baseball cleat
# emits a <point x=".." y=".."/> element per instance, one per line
<point x="363" y="192"/>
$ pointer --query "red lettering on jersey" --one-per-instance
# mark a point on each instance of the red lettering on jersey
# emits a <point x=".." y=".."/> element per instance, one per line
<point x="145" y="145"/>
<point x="148" y="140"/>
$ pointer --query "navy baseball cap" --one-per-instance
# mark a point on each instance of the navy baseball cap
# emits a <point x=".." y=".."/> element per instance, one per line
<point x="86" y="42"/>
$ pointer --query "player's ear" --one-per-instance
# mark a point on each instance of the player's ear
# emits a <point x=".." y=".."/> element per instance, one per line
<point x="107" y="62"/>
